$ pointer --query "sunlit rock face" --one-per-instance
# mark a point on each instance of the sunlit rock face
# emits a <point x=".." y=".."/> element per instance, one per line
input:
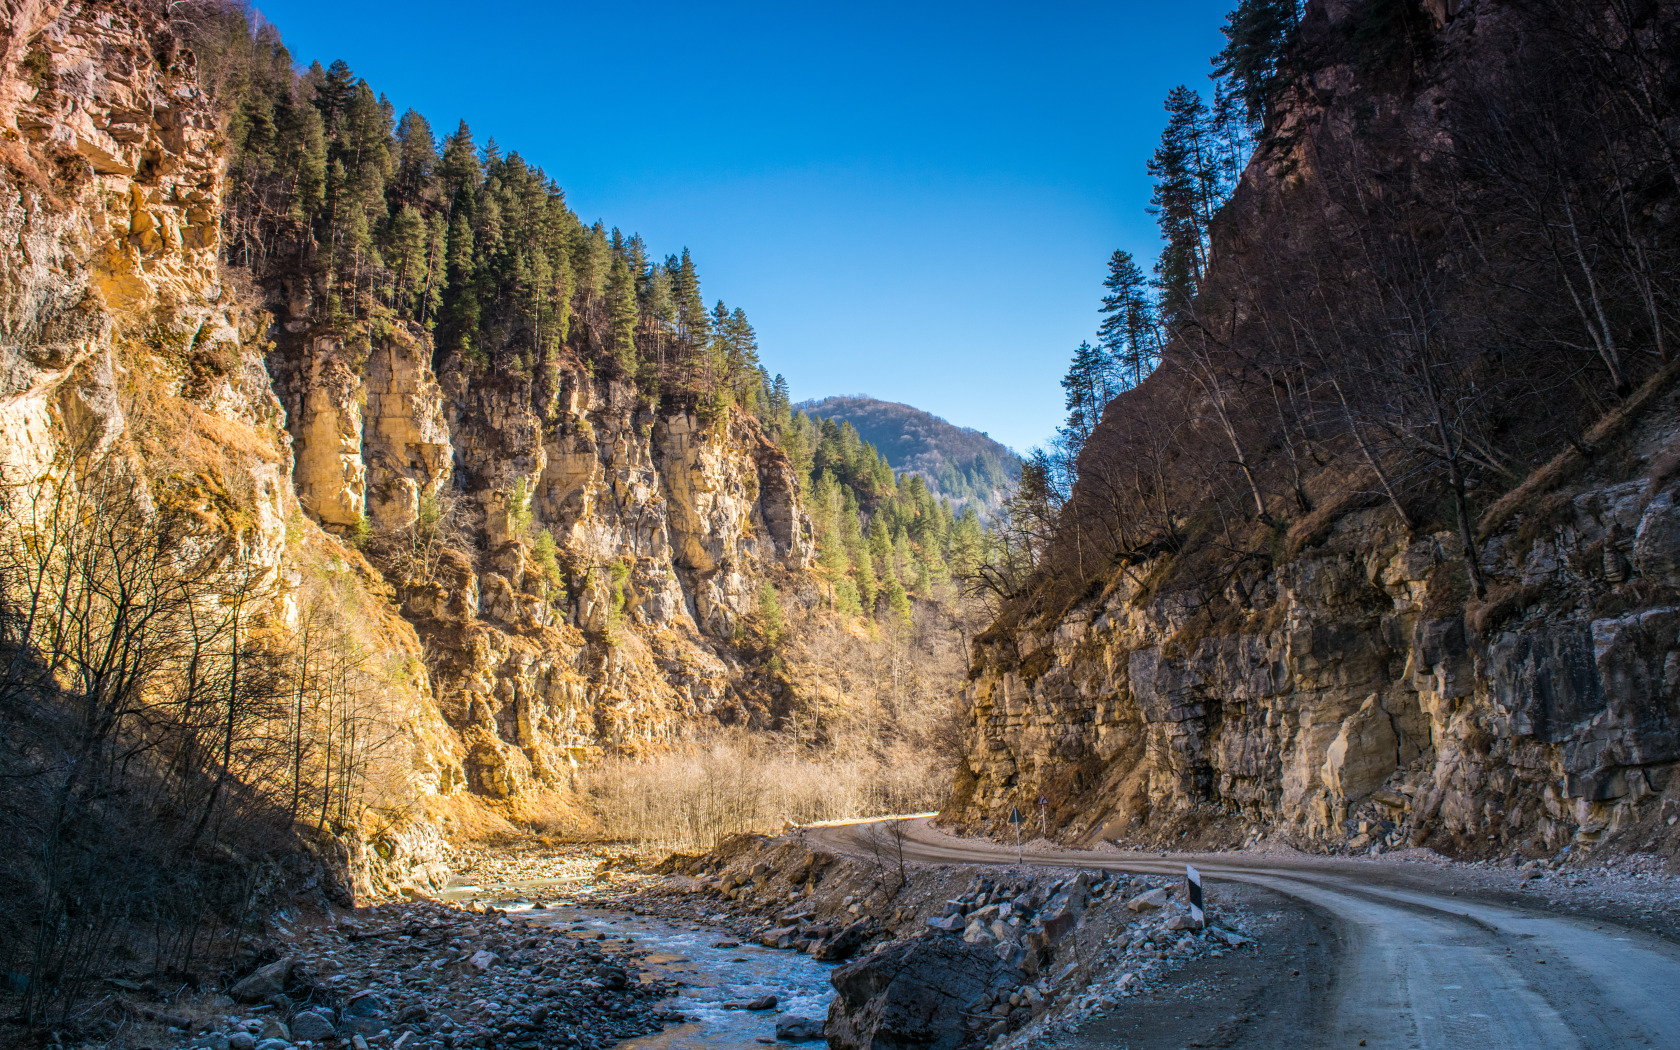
<point x="120" y="329"/>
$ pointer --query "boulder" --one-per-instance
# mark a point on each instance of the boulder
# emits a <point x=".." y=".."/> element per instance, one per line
<point x="763" y="1002"/>
<point x="273" y="1029"/>
<point x="979" y="934"/>
<point x="778" y="937"/>
<point x="482" y="960"/>
<point x="912" y="994"/>
<point x="264" y="984"/>
<point x="793" y="1029"/>
<point x="843" y="945"/>
<point x="1149" y="901"/>
<point x="313" y="1026"/>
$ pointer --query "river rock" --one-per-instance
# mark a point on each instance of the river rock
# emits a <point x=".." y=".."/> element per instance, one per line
<point x="843" y="945"/>
<point x="793" y="1029"/>
<point x="242" y="1041"/>
<point x="312" y="1026"/>
<point x="273" y="1029"/>
<point x="778" y="937"/>
<point x="264" y="984"/>
<point x="910" y="995"/>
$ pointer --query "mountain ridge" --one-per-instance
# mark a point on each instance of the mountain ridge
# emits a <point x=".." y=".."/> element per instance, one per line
<point x="961" y="464"/>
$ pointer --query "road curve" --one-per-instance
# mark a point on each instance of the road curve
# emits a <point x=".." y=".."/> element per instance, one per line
<point x="1422" y="968"/>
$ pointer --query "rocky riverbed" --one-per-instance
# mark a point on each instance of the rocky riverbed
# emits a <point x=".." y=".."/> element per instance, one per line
<point x="939" y="957"/>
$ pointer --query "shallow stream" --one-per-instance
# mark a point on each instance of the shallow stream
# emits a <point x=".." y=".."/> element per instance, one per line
<point x="714" y="970"/>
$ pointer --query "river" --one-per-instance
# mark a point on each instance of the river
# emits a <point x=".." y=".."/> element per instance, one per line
<point x="714" y="969"/>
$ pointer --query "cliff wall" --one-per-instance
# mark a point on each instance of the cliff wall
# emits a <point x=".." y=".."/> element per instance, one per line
<point x="347" y="465"/>
<point x="1333" y="678"/>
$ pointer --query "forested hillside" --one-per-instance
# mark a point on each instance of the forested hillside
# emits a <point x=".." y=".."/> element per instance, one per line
<point x="960" y="464"/>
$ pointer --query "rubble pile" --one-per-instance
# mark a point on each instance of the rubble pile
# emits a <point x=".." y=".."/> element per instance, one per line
<point x="428" y="977"/>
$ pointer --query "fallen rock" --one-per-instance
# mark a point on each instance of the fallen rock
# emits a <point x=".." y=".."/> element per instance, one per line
<point x="910" y="995"/>
<point x="264" y="984"/>
<point x="312" y="1026"/>
<point x="843" y="945"/>
<point x="778" y="937"/>
<point x="483" y="960"/>
<point x="793" y="1029"/>
<point x="273" y="1029"/>
<point x="1153" y="899"/>
<point x="1182" y="921"/>
<point x="978" y="934"/>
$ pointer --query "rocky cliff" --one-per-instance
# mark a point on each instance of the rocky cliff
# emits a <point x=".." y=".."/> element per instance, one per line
<point x="506" y="658"/>
<point x="1341" y="683"/>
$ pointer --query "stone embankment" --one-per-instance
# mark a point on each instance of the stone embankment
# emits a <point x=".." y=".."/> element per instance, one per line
<point x="938" y="957"/>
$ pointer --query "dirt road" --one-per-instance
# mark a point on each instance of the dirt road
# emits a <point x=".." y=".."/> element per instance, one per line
<point x="1420" y="967"/>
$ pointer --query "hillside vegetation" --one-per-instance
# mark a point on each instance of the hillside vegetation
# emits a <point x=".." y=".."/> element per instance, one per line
<point x="959" y="464"/>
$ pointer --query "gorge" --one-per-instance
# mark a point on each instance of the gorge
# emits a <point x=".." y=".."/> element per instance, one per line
<point x="364" y="512"/>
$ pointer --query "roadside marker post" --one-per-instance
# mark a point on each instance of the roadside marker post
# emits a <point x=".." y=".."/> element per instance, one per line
<point x="1194" y="878"/>
<point x="1043" y="825"/>
<point x="1015" y="819"/>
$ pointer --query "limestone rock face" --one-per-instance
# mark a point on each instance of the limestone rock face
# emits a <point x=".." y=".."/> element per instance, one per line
<point x="663" y="529"/>
<point x="1349" y="703"/>
<point x="570" y="558"/>
<point x="118" y="334"/>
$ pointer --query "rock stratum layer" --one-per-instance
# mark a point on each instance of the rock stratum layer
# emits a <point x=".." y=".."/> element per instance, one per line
<point x="1351" y="692"/>
<point x="120" y="329"/>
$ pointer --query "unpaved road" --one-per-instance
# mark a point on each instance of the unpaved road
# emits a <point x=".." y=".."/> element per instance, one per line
<point x="1419" y="967"/>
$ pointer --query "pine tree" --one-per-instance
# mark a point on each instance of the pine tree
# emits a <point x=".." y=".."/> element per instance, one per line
<point x="417" y="159"/>
<point x="622" y="313"/>
<point x="693" y="325"/>
<point x="1254" y="60"/>
<point x="458" y="170"/>
<point x="1186" y="195"/>
<point x="1127" y="335"/>
<point x="1087" y="387"/>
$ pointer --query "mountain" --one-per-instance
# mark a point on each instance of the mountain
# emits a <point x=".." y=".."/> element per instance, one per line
<point x="960" y="463"/>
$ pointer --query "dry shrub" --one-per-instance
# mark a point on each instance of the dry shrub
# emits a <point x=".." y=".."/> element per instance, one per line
<point x="736" y="783"/>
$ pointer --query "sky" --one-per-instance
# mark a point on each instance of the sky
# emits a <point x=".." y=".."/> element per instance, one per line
<point x="914" y="201"/>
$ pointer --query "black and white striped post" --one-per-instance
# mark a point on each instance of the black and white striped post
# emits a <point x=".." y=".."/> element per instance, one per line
<point x="1194" y="879"/>
<point x="1015" y="819"/>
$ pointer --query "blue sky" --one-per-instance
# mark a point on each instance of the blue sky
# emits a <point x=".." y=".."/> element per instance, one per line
<point x="914" y="201"/>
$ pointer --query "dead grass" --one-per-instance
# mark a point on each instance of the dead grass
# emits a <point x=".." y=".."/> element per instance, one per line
<point x="1567" y="464"/>
<point x="738" y="784"/>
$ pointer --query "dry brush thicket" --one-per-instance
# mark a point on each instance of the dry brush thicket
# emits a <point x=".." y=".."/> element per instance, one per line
<point x="172" y="750"/>
<point x="870" y="725"/>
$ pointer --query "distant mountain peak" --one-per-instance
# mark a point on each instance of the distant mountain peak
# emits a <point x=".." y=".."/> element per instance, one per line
<point x="960" y="463"/>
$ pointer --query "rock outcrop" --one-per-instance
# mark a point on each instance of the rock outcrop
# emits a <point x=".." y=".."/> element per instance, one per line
<point x="507" y="658"/>
<point x="1338" y="680"/>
